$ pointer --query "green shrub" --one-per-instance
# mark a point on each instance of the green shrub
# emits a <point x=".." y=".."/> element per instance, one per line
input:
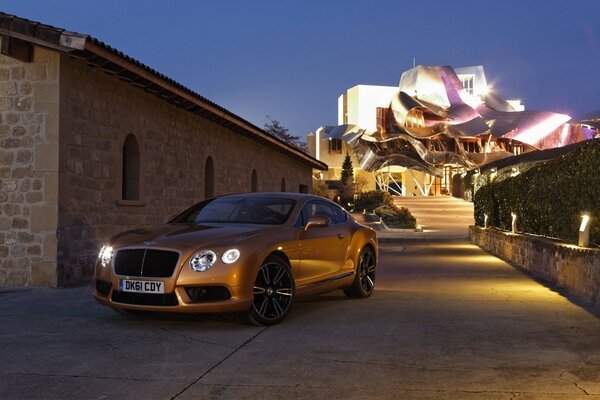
<point x="548" y="197"/>
<point x="369" y="201"/>
<point x="395" y="217"/>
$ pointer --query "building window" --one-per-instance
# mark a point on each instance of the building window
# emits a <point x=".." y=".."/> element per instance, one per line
<point x="335" y="146"/>
<point x="471" y="147"/>
<point x="209" y="178"/>
<point x="467" y="82"/>
<point x="414" y="119"/>
<point x="254" y="185"/>
<point x="283" y="184"/>
<point x="131" y="169"/>
<point x="517" y="149"/>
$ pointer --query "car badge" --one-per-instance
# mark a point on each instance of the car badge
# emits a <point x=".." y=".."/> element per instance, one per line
<point x="149" y="243"/>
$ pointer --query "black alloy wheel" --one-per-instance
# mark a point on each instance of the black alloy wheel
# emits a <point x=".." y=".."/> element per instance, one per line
<point x="364" y="280"/>
<point x="273" y="291"/>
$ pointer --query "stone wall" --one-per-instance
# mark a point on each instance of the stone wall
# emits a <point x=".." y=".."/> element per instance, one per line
<point x="29" y="102"/>
<point x="571" y="267"/>
<point x="97" y="112"/>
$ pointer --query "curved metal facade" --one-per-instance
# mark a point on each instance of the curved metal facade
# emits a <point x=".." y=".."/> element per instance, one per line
<point x="432" y="116"/>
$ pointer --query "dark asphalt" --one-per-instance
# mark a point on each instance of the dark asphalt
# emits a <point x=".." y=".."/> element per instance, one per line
<point x="447" y="321"/>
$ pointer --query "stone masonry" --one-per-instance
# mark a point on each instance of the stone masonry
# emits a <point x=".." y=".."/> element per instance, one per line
<point x="63" y="127"/>
<point x="29" y="95"/>
<point x="573" y="268"/>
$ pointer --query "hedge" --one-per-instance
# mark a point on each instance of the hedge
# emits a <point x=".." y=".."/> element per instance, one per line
<point x="395" y="217"/>
<point x="548" y="197"/>
<point x="369" y="201"/>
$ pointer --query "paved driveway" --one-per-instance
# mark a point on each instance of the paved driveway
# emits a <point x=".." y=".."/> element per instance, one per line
<point x="447" y="321"/>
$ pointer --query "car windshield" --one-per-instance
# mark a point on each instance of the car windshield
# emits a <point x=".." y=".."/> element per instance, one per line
<point x="243" y="210"/>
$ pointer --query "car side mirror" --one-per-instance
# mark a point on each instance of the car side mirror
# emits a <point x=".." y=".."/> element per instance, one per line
<point x="317" y="221"/>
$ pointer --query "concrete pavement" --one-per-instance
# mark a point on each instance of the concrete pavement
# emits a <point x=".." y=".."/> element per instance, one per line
<point x="447" y="321"/>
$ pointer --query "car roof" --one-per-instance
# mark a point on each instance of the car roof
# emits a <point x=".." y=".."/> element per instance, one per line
<point x="285" y="195"/>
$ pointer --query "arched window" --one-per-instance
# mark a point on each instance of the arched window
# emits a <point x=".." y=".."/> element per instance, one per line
<point x="254" y="186"/>
<point x="131" y="169"/>
<point x="209" y="178"/>
<point x="283" y="184"/>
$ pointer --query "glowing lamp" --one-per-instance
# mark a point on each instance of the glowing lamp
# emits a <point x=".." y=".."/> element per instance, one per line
<point x="584" y="230"/>
<point x="514" y="222"/>
<point x="485" y="220"/>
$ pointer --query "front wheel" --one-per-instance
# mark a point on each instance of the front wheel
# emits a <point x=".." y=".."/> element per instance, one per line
<point x="274" y="290"/>
<point x="364" y="280"/>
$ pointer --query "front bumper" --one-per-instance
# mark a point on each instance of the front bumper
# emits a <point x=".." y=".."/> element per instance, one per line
<point x="176" y="301"/>
<point x="237" y="279"/>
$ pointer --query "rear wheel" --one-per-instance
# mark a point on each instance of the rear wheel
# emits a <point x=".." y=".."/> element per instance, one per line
<point x="274" y="290"/>
<point x="364" y="280"/>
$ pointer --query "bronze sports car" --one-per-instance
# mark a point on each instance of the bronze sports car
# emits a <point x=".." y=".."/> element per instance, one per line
<point x="252" y="252"/>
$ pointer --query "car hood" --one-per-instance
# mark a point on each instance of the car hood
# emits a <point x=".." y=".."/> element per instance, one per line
<point x="189" y="234"/>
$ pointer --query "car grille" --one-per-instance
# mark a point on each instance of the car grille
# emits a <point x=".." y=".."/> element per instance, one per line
<point x="207" y="293"/>
<point x="103" y="287"/>
<point x="145" y="299"/>
<point x="146" y="262"/>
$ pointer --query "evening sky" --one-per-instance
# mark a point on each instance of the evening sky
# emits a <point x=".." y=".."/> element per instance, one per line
<point x="292" y="59"/>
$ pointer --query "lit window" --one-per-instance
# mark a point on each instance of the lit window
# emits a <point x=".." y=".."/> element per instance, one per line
<point x="467" y="82"/>
<point x="335" y="146"/>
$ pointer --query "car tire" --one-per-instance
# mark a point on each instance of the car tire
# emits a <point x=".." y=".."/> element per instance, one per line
<point x="364" y="278"/>
<point x="274" y="290"/>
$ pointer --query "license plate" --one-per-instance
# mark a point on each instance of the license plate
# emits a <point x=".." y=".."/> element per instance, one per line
<point x="128" y="285"/>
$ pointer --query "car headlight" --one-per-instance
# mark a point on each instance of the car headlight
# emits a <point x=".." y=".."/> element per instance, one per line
<point x="105" y="255"/>
<point x="230" y="256"/>
<point x="203" y="260"/>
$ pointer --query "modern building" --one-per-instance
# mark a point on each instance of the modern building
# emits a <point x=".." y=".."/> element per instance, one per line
<point x="93" y="142"/>
<point x="411" y="139"/>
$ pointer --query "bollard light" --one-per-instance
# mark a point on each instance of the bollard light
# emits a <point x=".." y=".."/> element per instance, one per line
<point x="584" y="230"/>
<point x="515" y="171"/>
<point x="514" y="222"/>
<point x="485" y="221"/>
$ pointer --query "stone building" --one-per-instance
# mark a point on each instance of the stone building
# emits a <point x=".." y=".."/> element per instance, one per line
<point x="92" y="142"/>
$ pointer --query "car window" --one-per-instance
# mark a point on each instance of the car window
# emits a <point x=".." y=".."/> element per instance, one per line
<point x="336" y="215"/>
<point x="244" y="210"/>
<point x="340" y="215"/>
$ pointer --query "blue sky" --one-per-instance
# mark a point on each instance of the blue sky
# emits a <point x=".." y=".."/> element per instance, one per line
<point x="292" y="59"/>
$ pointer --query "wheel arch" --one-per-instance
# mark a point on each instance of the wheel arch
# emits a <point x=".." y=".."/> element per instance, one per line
<point x="280" y="254"/>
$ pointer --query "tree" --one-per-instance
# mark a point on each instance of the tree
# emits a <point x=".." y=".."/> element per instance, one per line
<point x="275" y="128"/>
<point x="319" y="188"/>
<point x="360" y="182"/>
<point x="347" y="170"/>
<point x="347" y="181"/>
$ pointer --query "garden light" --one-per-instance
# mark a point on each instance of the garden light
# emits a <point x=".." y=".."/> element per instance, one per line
<point x="485" y="221"/>
<point x="514" y="222"/>
<point x="584" y="230"/>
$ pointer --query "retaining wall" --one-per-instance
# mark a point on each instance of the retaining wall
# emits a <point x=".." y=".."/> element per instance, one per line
<point x="573" y="268"/>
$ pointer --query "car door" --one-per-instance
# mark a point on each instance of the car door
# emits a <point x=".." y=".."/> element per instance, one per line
<point x="322" y="249"/>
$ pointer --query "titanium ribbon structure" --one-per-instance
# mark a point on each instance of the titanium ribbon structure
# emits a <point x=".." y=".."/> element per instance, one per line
<point x="434" y="120"/>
